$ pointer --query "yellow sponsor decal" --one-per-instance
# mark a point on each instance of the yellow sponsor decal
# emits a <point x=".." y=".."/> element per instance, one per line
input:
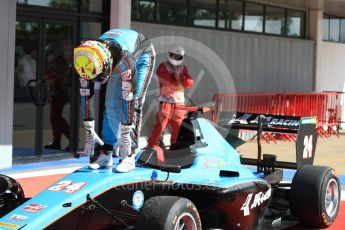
<point x="314" y="120"/>
<point x="221" y="163"/>
<point x="309" y="120"/>
<point x="9" y="225"/>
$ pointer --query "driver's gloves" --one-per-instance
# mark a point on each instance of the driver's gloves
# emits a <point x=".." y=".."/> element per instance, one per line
<point x="123" y="146"/>
<point x="91" y="138"/>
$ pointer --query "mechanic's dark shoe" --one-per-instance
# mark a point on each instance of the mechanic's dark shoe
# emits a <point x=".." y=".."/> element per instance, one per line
<point x="53" y="145"/>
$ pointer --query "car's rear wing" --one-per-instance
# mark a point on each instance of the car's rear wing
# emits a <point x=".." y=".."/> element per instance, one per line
<point x="304" y="127"/>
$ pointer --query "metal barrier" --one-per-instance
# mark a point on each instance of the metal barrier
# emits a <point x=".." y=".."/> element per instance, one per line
<point x="324" y="105"/>
<point x="341" y="107"/>
<point x="264" y="103"/>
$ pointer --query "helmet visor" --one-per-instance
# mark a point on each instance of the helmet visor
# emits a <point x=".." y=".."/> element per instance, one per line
<point x="177" y="57"/>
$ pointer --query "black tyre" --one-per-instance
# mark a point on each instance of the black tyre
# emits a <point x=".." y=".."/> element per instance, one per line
<point x="315" y="196"/>
<point x="168" y="213"/>
<point x="11" y="194"/>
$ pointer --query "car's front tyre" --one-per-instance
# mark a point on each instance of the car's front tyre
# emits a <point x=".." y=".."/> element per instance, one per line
<point x="169" y="213"/>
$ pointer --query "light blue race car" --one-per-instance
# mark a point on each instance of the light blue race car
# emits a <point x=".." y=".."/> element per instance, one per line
<point x="202" y="184"/>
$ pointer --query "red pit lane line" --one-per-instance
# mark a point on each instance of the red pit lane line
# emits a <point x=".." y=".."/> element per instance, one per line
<point x="33" y="185"/>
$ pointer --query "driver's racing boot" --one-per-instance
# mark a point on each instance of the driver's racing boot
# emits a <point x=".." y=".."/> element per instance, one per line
<point x="127" y="164"/>
<point x="104" y="160"/>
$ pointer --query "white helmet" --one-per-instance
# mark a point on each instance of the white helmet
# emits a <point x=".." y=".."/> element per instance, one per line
<point x="176" y="55"/>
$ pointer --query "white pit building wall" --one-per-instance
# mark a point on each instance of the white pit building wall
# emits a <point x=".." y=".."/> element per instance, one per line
<point x="7" y="39"/>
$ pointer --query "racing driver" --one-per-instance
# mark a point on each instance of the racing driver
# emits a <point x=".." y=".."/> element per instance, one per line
<point x="125" y="60"/>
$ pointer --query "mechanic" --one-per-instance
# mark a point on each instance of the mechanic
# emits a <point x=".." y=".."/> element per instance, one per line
<point x="125" y="60"/>
<point x="173" y="77"/>
<point x="57" y="75"/>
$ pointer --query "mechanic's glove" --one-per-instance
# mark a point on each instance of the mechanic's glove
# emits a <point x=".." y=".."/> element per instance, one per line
<point x="91" y="138"/>
<point x="123" y="146"/>
<point x="187" y="81"/>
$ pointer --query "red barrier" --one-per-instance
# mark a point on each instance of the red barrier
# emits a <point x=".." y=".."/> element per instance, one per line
<point x="251" y="103"/>
<point x="325" y="106"/>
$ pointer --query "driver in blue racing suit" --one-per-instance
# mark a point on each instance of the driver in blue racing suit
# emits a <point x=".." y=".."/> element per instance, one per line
<point x="125" y="60"/>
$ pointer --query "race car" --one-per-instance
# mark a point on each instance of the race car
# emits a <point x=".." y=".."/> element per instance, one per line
<point x="202" y="184"/>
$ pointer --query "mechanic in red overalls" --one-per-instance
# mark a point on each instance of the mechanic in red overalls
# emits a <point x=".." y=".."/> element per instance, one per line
<point x="56" y="74"/>
<point x="173" y="78"/>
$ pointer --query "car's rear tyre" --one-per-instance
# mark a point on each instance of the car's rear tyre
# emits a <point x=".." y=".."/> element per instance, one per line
<point x="11" y="194"/>
<point x="168" y="213"/>
<point x="315" y="196"/>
